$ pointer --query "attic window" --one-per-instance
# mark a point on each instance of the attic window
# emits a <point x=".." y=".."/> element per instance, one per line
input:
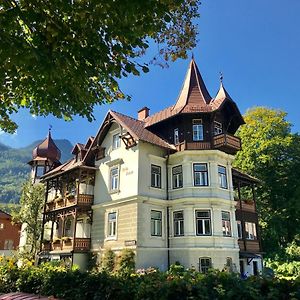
<point x="116" y="141"/>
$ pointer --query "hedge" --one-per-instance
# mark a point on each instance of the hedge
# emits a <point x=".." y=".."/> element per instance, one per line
<point x="177" y="283"/>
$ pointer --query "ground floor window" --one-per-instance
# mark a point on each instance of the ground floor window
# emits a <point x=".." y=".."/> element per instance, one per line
<point x="112" y="224"/>
<point x="255" y="268"/>
<point x="156" y="223"/>
<point x="204" y="264"/>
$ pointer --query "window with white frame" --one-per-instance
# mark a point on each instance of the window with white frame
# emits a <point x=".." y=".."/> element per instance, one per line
<point x="156" y="223"/>
<point x="203" y="222"/>
<point x="155" y="176"/>
<point x="114" y="178"/>
<point x="250" y="231"/>
<point x="116" y="141"/>
<point x="240" y="230"/>
<point x="178" y="221"/>
<point x="177" y="177"/>
<point x="8" y="244"/>
<point x="112" y="224"/>
<point x="200" y="174"/>
<point x="1" y="225"/>
<point x="197" y="130"/>
<point x="176" y="136"/>
<point x="218" y="128"/>
<point x="204" y="264"/>
<point x="222" y="177"/>
<point x="226" y="226"/>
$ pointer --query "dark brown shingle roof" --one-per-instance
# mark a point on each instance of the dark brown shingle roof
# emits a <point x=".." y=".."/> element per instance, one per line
<point x="137" y="129"/>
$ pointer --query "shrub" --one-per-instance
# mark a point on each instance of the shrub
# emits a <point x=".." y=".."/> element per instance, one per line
<point x="125" y="262"/>
<point x="108" y="261"/>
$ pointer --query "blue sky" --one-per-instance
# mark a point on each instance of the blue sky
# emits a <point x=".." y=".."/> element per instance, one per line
<point x="256" y="44"/>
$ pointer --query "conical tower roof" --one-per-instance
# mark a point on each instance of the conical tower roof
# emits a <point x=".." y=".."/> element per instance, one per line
<point x="193" y="95"/>
<point x="222" y="93"/>
<point x="47" y="149"/>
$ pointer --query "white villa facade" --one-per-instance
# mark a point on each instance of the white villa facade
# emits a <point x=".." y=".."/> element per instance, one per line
<point x="161" y="185"/>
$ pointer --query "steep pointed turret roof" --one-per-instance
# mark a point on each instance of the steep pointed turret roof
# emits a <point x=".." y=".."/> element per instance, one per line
<point x="47" y="149"/>
<point x="221" y="96"/>
<point x="193" y="93"/>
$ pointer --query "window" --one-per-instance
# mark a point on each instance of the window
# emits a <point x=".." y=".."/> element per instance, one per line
<point x="155" y="176"/>
<point x="156" y="223"/>
<point x="222" y="177"/>
<point x="176" y="136"/>
<point x="197" y="130"/>
<point x="178" y="223"/>
<point x="226" y="227"/>
<point x="203" y="226"/>
<point x="217" y="128"/>
<point x="8" y="244"/>
<point x="200" y="175"/>
<point x="112" y="224"/>
<point x="114" y="178"/>
<point x="116" y="141"/>
<point x="240" y="230"/>
<point x="250" y="229"/>
<point x="68" y="228"/>
<point x="204" y="264"/>
<point x="177" y="177"/>
<point x="1" y="225"/>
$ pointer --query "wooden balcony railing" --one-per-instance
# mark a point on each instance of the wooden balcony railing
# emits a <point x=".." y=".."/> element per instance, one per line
<point x="251" y="246"/>
<point x="69" y="201"/>
<point x="227" y="142"/>
<point x="245" y="205"/>
<point x="80" y="245"/>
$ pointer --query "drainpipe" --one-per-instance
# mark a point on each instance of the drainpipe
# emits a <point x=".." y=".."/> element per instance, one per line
<point x="168" y="209"/>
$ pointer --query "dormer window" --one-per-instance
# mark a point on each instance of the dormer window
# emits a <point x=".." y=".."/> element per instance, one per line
<point x="116" y="141"/>
<point x="176" y="136"/>
<point x="197" y="130"/>
<point x="218" y="128"/>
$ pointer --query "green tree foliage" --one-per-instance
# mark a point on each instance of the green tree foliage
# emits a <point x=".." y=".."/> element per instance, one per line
<point x="65" y="56"/>
<point x="30" y="214"/>
<point x="271" y="153"/>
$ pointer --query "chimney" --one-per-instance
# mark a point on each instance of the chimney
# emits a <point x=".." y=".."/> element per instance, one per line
<point x="143" y="113"/>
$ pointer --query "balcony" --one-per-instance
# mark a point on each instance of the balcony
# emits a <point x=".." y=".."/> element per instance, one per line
<point x="227" y="143"/>
<point x="224" y="142"/>
<point x="249" y="246"/>
<point x="82" y="200"/>
<point x="67" y="243"/>
<point x="246" y="205"/>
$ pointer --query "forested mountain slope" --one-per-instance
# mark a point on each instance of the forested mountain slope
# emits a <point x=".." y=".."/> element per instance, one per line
<point x="14" y="169"/>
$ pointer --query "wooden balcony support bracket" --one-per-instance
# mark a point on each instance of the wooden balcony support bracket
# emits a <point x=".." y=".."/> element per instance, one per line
<point x="128" y="140"/>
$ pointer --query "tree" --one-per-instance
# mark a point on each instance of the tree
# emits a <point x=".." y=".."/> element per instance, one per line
<point x="271" y="153"/>
<point x="30" y="215"/>
<point x="65" y="56"/>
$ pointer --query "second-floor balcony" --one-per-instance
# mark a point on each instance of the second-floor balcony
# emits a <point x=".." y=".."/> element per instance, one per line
<point x="69" y="200"/>
<point x="224" y="142"/>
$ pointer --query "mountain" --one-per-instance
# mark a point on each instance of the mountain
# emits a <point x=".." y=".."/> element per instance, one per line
<point x="14" y="170"/>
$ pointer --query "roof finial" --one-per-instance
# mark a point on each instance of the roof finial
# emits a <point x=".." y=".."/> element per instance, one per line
<point x="49" y="130"/>
<point x="192" y="55"/>
<point x="221" y="77"/>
